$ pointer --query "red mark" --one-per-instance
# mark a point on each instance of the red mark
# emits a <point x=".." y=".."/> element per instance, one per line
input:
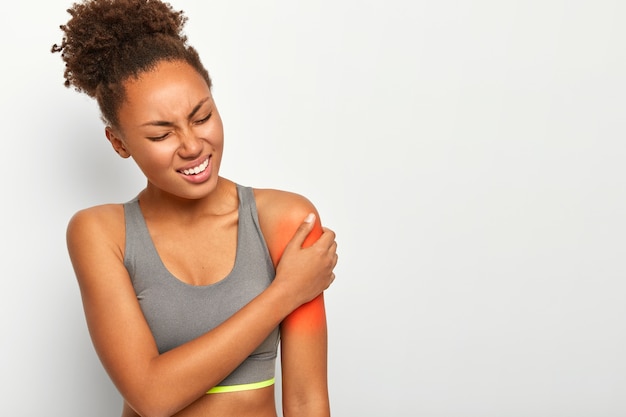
<point x="309" y="317"/>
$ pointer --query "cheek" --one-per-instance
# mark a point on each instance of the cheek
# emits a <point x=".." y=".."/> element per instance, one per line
<point x="157" y="156"/>
<point x="211" y="134"/>
<point x="214" y="132"/>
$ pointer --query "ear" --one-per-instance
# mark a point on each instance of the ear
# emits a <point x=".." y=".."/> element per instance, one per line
<point x="116" y="142"/>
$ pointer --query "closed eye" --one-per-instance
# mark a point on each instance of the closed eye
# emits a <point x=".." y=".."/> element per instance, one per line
<point x="158" y="138"/>
<point x="199" y="122"/>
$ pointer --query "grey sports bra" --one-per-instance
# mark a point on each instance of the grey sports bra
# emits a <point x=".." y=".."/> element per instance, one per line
<point x="178" y="312"/>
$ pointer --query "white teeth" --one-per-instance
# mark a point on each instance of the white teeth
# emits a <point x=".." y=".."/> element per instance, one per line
<point x="198" y="169"/>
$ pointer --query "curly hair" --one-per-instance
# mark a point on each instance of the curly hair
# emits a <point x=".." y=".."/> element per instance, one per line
<point x="106" y="42"/>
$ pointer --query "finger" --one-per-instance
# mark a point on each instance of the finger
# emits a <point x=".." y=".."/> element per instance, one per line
<point x="330" y="281"/>
<point x="327" y="230"/>
<point x="326" y="239"/>
<point x="303" y="230"/>
<point x="331" y="251"/>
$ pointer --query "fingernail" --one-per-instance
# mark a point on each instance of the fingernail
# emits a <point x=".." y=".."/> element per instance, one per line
<point x="309" y="218"/>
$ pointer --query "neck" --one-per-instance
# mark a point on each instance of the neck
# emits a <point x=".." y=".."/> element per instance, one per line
<point x="157" y="203"/>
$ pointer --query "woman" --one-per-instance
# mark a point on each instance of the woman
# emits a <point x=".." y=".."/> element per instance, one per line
<point x="186" y="287"/>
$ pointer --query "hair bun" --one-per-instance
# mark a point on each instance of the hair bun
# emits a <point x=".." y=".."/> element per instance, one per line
<point x="101" y="33"/>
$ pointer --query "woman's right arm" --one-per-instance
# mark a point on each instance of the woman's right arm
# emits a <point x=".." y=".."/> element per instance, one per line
<point x="160" y="385"/>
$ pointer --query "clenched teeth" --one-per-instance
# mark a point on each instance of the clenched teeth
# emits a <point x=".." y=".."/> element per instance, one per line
<point x="196" y="170"/>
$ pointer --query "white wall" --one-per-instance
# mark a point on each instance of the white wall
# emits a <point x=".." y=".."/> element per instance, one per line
<point x="469" y="154"/>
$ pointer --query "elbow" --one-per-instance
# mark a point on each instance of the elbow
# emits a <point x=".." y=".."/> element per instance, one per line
<point x="155" y="393"/>
<point x="148" y="403"/>
<point x="153" y="411"/>
<point x="147" y="409"/>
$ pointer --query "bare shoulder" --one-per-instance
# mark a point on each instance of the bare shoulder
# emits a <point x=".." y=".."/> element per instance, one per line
<point x="277" y="207"/>
<point x="101" y="225"/>
<point x="280" y="214"/>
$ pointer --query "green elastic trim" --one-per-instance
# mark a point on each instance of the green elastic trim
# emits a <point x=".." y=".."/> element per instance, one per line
<point x="241" y="387"/>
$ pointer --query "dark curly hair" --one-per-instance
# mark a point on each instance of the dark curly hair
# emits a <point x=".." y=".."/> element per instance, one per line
<point x="106" y="42"/>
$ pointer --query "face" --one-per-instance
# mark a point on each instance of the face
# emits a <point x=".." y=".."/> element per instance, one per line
<point x="170" y="126"/>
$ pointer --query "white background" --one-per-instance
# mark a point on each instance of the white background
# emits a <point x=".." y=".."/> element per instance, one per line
<point x="469" y="155"/>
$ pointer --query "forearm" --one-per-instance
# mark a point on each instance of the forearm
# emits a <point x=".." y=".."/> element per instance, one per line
<point x="171" y="381"/>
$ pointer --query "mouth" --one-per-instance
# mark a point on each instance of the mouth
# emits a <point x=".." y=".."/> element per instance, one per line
<point x="197" y="169"/>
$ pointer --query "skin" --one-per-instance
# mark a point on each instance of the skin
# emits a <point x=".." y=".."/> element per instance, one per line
<point x="303" y="332"/>
<point x="169" y="123"/>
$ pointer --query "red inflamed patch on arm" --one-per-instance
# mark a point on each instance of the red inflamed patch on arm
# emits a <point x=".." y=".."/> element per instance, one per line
<point x="309" y="317"/>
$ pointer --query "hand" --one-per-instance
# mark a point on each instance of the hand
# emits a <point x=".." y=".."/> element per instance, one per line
<point x="307" y="272"/>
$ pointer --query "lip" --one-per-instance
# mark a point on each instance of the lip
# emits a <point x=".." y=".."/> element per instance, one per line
<point x="195" y="163"/>
<point x="201" y="177"/>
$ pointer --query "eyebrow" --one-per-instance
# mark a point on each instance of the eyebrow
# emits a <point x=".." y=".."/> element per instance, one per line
<point x="189" y="116"/>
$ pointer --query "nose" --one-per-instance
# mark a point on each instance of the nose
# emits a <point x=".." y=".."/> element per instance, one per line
<point x="190" y="144"/>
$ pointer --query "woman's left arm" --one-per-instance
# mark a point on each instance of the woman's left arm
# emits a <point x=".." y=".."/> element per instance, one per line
<point x="304" y="361"/>
<point x="303" y="332"/>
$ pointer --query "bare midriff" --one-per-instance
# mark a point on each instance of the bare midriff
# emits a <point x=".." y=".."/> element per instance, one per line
<point x="251" y="403"/>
